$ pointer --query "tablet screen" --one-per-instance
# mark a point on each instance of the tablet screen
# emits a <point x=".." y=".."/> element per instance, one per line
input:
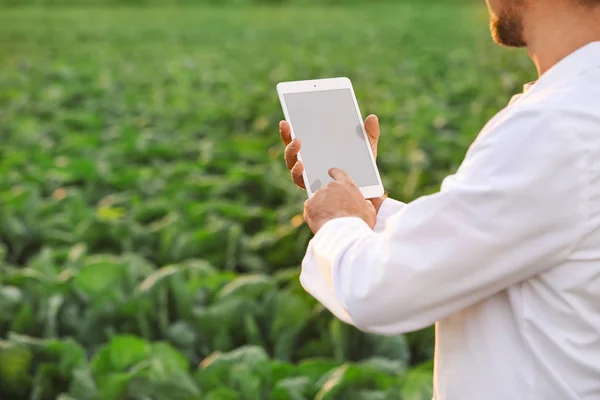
<point x="327" y="124"/>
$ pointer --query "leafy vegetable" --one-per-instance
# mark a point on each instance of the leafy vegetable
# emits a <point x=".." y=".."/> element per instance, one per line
<point x="150" y="236"/>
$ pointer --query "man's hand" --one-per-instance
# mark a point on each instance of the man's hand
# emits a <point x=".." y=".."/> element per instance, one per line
<point x="340" y="198"/>
<point x="293" y="148"/>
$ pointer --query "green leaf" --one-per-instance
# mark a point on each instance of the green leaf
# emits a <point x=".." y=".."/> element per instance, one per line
<point x="10" y="298"/>
<point x="247" y="379"/>
<point x="77" y="252"/>
<point x="83" y="386"/>
<point x="24" y="322"/>
<point x="290" y="313"/>
<point x="252" y="331"/>
<point x="281" y="370"/>
<point x="316" y="368"/>
<point x="339" y="333"/>
<point x="64" y="355"/>
<point x="44" y="262"/>
<point x="288" y="277"/>
<point x="297" y="388"/>
<point x="320" y="347"/>
<point x="157" y="277"/>
<point x="100" y="276"/>
<point x="121" y="353"/>
<point x="47" y="382"/>
<point x="422" y="344"/>
<point x="27" y="276"/>
<point x="350" y="378"/>
<point x="52" y="307"/>
<point x="110" y="214"/>
<point x="417" y="383"/>
<point x="113" y="385"/>
<point x="391" y="347"/>
<point x="223" y="394"/>
<point x="70" y="355"/>
<point x="167" y="360"/>
<point x="182" y="334"/>
<point x="183" y="297"/>
<point x="14" y="227"/>
<point x="248" y="286"/>
<point x="384" y="366"/>
<point x="333" y="385"/>
<point x="15" y="364"/>
<point x="219" y="323"/>
<point x="371" y="395"/>
<point x="212" y="283"/>
<point x="215" y="370"/>
<point x="174" y="387"/>
<point x="65" y="397"/>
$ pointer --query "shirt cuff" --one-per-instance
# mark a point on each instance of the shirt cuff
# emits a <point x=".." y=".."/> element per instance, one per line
<point x="324" y="255"/>
<point x="388" y="208"/>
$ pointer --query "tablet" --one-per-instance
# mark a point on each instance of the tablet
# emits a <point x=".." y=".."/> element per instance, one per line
<point x="324" y="115"/>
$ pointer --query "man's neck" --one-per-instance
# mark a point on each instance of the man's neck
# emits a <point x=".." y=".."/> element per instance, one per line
<point x="559" y="30"/>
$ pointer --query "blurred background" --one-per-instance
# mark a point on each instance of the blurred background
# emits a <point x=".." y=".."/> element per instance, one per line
<point x="150" y="235"/>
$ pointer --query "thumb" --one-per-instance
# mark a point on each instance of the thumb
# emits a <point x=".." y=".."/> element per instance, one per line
<point x="372" y="207"/>
<point x="339" y="174"/>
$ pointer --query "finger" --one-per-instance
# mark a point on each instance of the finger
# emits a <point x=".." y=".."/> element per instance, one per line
<point x="339" y="174"/>
<point x="371" y="206"/>
<point x="372" y="127"/>
<point x="377" y="202"/>
<point x="307" y="209"/>
<point x="373" y="131"/>
<point x="297" y="172"/>
<point x="285" y="132"/>
<point x="291" y="153"/>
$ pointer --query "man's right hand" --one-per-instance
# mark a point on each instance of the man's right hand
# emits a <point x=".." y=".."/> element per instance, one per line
<point x="293" y="147"/>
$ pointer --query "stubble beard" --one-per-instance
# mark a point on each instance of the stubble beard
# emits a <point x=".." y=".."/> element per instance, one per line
<point x="507" y="27"/>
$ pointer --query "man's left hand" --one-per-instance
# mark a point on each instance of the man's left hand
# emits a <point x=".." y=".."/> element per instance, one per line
<point x="340" y="198"/>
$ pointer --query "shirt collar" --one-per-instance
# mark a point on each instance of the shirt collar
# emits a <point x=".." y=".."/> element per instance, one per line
<point x="528" y="86"/>
<point x="576" y="63"/>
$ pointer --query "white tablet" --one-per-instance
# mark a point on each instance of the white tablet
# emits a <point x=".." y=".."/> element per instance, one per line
<point x="324" y="115"/>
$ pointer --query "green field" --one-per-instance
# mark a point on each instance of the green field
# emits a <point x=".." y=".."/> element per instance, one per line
<point x="150" y="236"/>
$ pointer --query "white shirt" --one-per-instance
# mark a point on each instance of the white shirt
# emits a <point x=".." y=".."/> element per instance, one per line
<point x="505" y="259"/>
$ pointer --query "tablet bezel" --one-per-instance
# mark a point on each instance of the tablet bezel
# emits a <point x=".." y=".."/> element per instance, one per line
<point x="319" y="85"/>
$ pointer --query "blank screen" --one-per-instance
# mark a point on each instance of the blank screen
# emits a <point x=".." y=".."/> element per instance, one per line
<point x="329" y="128"/>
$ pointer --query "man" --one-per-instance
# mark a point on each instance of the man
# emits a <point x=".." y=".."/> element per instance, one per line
<point x="505" y="259"/>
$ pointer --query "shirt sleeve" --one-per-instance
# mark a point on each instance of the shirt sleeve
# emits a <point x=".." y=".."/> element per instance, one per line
<point x="388" y="208"/>
<point x="514" y="209"/>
